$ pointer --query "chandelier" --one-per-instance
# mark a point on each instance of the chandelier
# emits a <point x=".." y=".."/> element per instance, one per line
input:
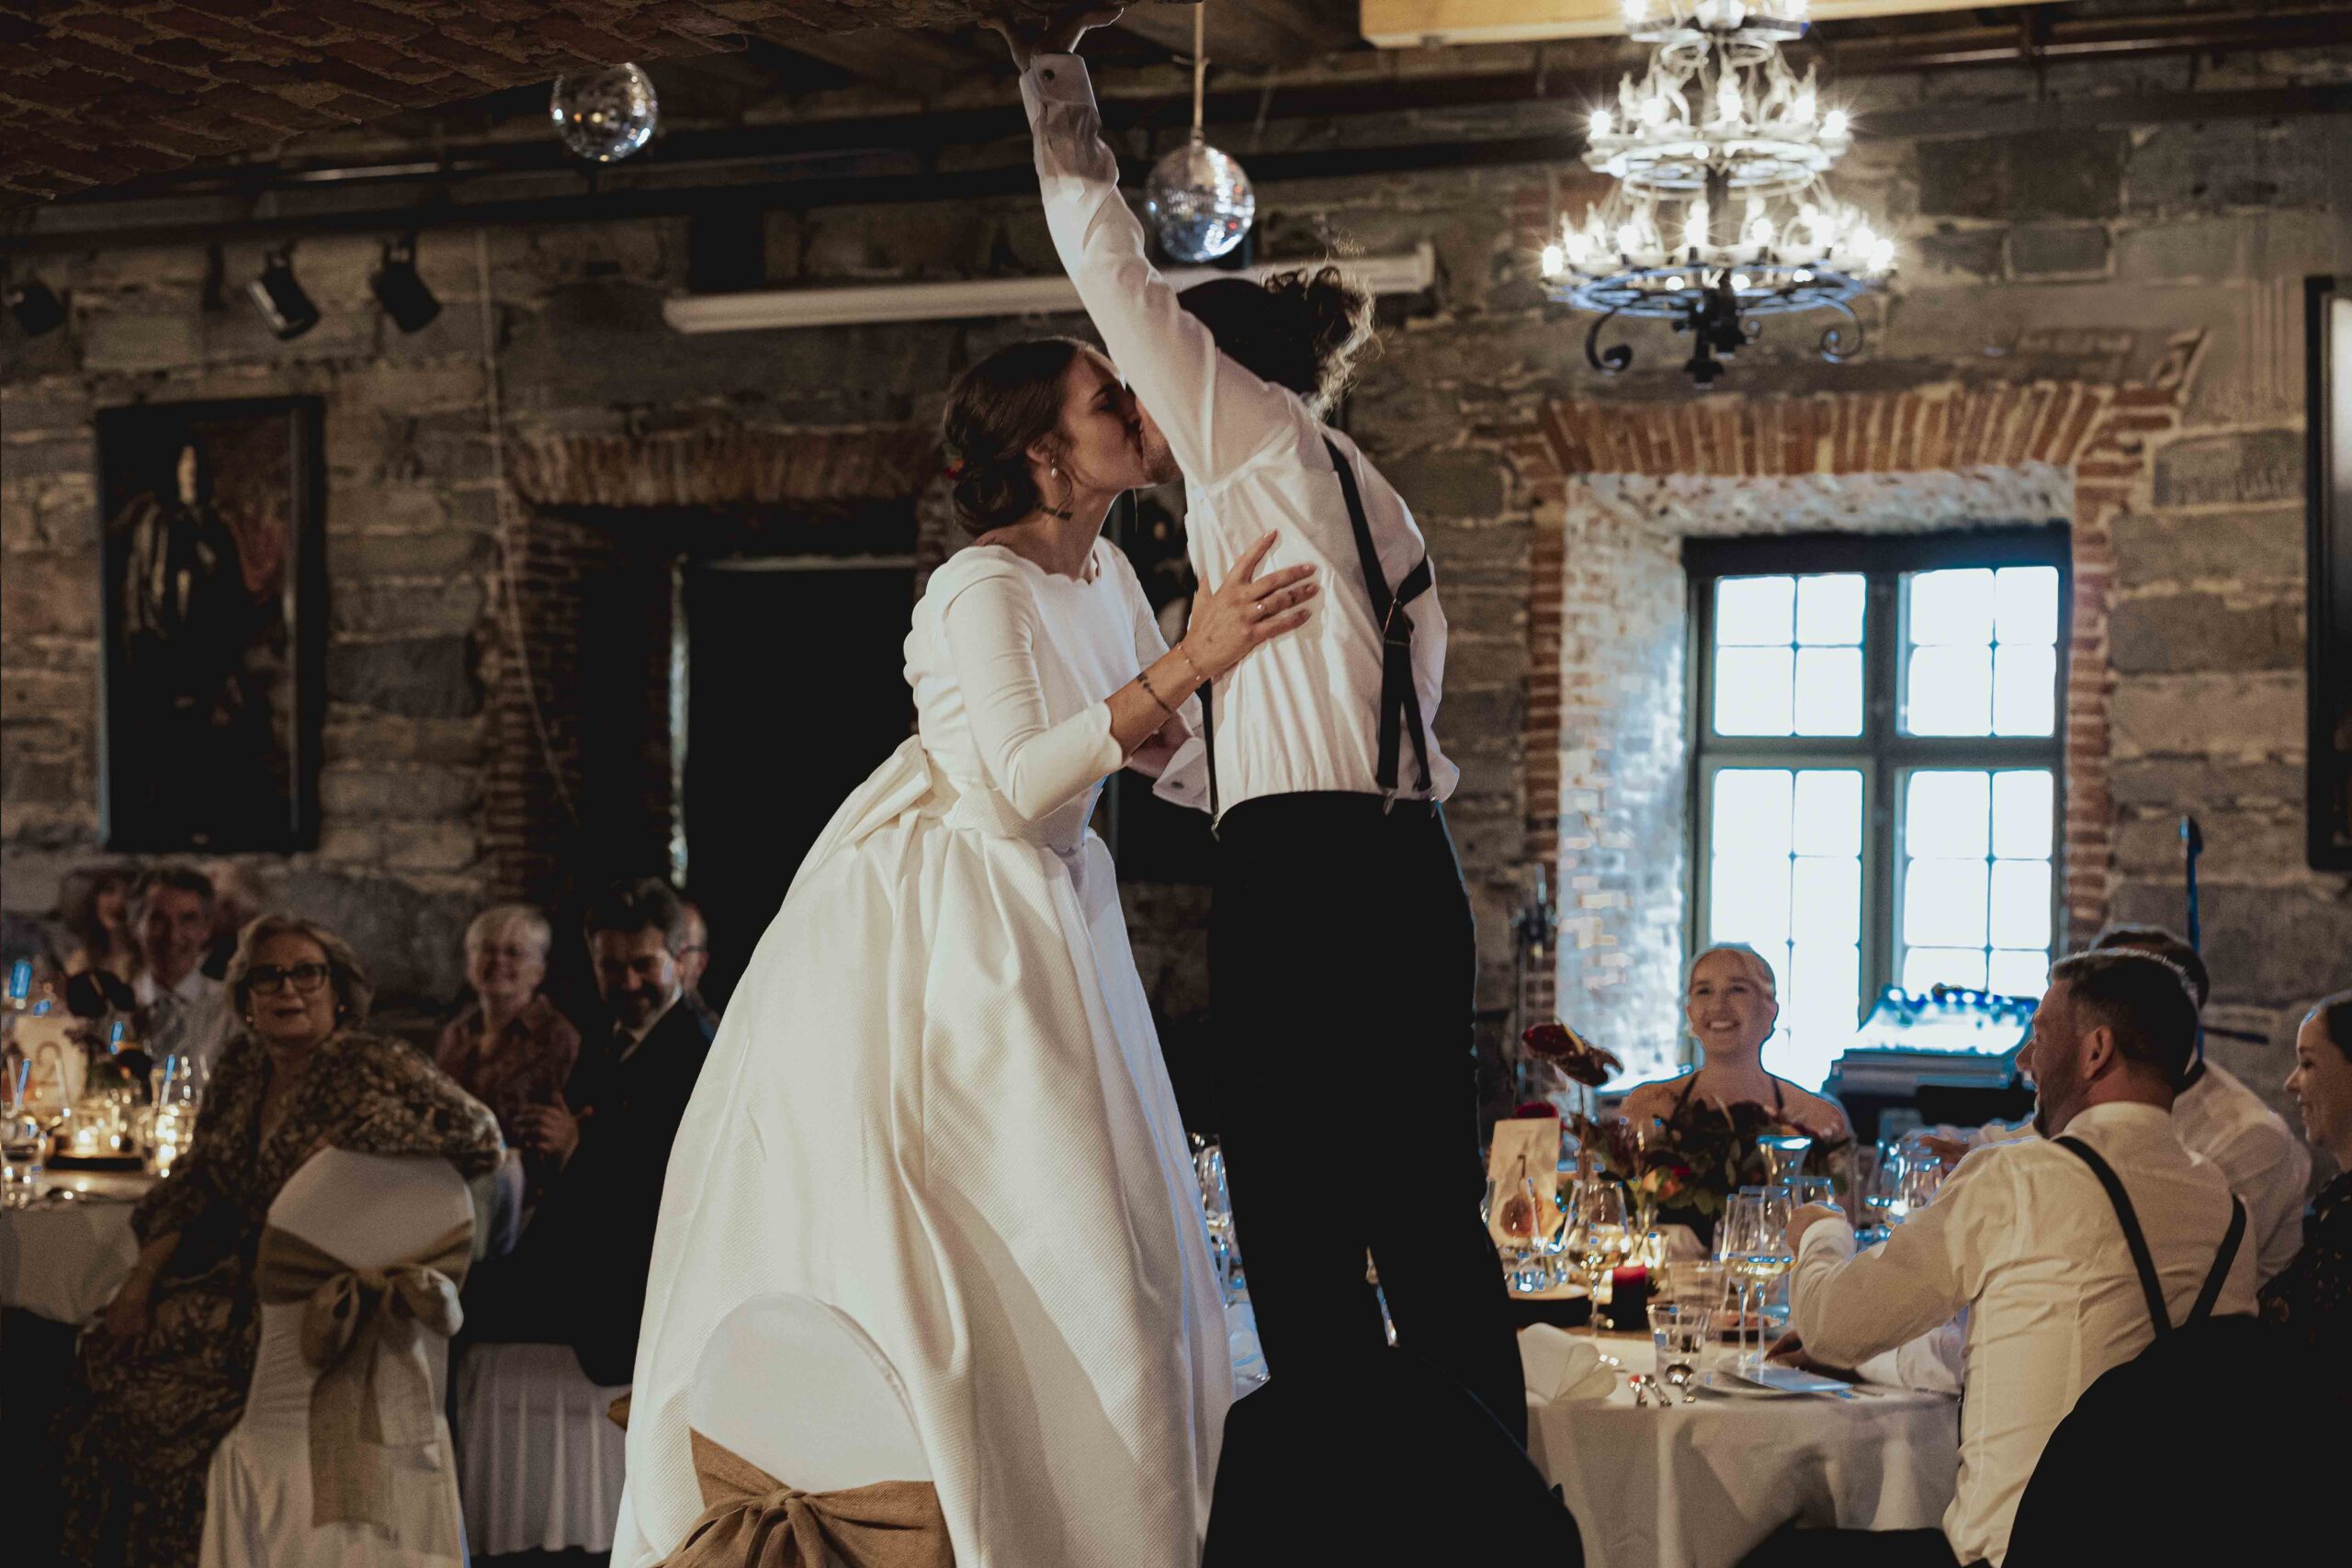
<point x="1720" y="213"/>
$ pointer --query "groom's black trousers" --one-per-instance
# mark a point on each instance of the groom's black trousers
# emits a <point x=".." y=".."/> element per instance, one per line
<point x="1342" y="967"/>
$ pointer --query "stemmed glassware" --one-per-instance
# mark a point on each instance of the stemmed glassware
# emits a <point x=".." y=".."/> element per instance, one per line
<point x="1757" y="1246"/>
<point x="23" y="1139"/>
<point x="1216" y="1212"/>
<point x="1602" y="1240"/>
<point x="1783" y="1154"/>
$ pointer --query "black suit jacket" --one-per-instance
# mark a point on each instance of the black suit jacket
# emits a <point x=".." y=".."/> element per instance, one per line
<point x="590" y="1246"/>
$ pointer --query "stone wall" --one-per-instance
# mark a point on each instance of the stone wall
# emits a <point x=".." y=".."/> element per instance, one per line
<point x="2022" y="266"/>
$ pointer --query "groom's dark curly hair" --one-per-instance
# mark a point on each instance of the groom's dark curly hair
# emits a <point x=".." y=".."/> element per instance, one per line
<point x="1306" y="331"/>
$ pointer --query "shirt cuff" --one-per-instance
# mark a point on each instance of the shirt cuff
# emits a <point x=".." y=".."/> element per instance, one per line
<point x="1057" y="79"/>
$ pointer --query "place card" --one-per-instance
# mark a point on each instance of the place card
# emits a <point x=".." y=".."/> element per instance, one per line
<point x="1522" y="1171"/>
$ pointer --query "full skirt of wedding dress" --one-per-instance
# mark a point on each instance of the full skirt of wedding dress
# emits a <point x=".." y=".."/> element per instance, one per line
<point x="937" y="1103"/>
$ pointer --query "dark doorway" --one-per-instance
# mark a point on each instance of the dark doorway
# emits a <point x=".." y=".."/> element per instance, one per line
<point x="794" y="691"/>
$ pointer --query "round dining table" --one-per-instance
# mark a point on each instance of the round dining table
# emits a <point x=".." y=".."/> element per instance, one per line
<point x="63" y="1256"/>
<point x="1701" y="1486"/>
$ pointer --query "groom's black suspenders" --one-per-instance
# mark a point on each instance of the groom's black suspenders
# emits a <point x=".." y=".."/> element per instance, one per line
<point x="1400" y="703"/>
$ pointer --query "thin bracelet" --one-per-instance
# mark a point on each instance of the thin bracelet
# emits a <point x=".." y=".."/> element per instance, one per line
<point x="1143" y="678"/>
<point x="1198" y="679"/>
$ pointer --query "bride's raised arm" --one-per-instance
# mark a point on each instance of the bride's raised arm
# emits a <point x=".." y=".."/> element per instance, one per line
<point x="1217" y="415"/>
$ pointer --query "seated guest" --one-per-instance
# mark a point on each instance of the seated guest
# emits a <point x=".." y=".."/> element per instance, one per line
<point x="2313" y="1296"/>
<point x="169" y="1365"/>
<point x="2217" y="1116"/>
<point x="97" y="913"/>
<point x="181" y="1008"/>
<point x="1731" y="999"/>
<point x="510" y="1048"/>
<point x="578" y="1276"/>
<point x="693" y="960"/>
<point x="2024" y="1238"/>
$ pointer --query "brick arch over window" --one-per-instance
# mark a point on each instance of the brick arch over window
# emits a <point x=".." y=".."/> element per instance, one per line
<point x="578" y="659"/>
<point x="2103" y="435"/>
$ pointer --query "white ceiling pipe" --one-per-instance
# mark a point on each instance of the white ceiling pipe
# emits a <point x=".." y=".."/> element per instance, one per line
<point x="769" y="310"/>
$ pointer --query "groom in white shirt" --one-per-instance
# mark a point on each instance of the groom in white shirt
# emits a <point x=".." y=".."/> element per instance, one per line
<point x="2023" y="1238"/>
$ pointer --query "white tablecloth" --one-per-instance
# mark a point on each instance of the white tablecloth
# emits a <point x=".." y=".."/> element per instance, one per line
<point x="1701" y="1485"/>
<point x="540" y="1464"/>
<point x="64" y="1261"/>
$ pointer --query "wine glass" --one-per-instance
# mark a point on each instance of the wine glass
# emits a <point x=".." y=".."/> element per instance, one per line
<point x="1784" y="1153"/>
<point x="1602" y="1239"/>
<point x="1216" y="1212"/>
<point x="1758" y="1249"/>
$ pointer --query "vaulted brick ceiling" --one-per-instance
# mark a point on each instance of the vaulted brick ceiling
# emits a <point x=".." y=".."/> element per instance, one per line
<point x="93" y="94"/>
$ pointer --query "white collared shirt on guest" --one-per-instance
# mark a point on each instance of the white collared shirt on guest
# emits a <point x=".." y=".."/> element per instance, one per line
<point x="2266" y="1164"/>
<point x="1302" y="712"/>
<point x="2022" y="1236"/>
<point x="198" y="1017"/>
<point x="2218" y="1118"/>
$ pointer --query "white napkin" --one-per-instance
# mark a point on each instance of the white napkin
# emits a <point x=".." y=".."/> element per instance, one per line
<point x="1557" y="1365"/>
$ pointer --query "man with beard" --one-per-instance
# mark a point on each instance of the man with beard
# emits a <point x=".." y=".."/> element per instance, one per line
<point x="578" y="1277"/>
<point x="2023" y="1239"/>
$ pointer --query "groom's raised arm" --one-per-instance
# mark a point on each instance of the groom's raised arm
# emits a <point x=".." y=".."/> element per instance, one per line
<point x="1217" y="415"/>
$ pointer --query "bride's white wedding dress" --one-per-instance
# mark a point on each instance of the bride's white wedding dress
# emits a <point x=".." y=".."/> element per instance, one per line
<point x="937" y="1102"/>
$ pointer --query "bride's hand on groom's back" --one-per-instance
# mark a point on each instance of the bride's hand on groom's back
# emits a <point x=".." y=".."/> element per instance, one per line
<point x="1246" y="610"/>
<point x="1057" y="35"/>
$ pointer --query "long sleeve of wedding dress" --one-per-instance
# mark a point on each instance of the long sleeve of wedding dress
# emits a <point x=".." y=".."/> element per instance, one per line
<point x="1038" y="765"/>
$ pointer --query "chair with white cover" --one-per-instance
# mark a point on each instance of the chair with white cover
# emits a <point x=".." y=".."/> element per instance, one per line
<point x="374" y="1247"/>
<point x="794" y="1388"/>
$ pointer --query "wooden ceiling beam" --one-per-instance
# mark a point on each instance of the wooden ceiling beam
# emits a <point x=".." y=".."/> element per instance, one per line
<point x="1253" y="34"/>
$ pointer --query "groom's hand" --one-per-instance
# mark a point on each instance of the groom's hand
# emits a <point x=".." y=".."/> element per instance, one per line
<point x="1057" y="35"/>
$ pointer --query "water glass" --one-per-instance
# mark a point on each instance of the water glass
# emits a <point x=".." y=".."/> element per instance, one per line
<point x="1819" y="1190"/>
<point x="24" y="1145"/>
<point x="1679" y="1330"/>
<point x="1757" y="1247"/>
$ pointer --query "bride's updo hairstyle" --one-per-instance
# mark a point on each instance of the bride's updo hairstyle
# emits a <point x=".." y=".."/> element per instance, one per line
<point x="999" y="409"/>
<point x="1306" y="331"/>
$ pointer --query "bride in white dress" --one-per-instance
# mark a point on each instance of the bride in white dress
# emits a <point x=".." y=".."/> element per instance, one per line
<point x="937" y="1102"/>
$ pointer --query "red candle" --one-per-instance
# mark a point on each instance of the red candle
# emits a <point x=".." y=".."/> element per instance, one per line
<point x="1629" y="1298"/>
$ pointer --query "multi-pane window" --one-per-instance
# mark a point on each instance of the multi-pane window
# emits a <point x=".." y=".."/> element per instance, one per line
<point x="1876" y="767"/>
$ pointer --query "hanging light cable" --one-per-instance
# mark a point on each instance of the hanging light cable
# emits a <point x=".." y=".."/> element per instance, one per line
<point x="1198" y="198"/>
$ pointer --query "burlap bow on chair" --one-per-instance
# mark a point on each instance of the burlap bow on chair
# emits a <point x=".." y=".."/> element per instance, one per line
<point x="362" y="1328"/>
<point x="749" y="1520"/>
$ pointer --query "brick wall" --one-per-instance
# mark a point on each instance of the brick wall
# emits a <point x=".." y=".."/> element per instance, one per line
<point x="2014" y="278"/>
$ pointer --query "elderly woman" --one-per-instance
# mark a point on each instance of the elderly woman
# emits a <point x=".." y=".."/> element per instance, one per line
<point x="1730" y="997"/>
<point x="510" y="1048"/>
<point x="2313" y="1296"/>
<point x="169" y="1366"/>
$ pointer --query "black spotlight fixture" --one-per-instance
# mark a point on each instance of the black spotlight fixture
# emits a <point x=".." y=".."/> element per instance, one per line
<point x="400" y="292"/>
<point x="36" y="306"/>
<point x="279" y="299"/>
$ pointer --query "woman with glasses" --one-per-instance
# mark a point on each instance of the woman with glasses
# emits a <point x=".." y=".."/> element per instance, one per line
<point x="169" y="1364"/>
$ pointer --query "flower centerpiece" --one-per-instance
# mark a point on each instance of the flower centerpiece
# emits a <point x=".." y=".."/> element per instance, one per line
<point x="1692" y="1162"/>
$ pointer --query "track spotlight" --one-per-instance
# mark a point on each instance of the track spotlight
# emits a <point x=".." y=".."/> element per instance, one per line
<point x="400" y="292"/>
<point x="280" y="299"/>
<point x="36" y="306"/>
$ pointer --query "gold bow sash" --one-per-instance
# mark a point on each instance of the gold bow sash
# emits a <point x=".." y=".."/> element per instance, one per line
<point x="749" y="1520"/>
<point x="363" y="1329"/>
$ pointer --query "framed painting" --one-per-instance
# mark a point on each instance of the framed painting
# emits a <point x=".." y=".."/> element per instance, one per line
<point x="2329" y="624"/>
<point x="213" y="576"/>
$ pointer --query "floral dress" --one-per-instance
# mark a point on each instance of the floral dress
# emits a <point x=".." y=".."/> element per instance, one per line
<point x="136" y="1450"/>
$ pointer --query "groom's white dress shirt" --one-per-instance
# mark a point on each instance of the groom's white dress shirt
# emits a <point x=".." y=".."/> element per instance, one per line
<point x="2023" y="1238"/>
<point x="1301" y="713"/>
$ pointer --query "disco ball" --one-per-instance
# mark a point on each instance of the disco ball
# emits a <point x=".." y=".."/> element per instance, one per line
<point x="1200" y="202"/>
<point x="604" y="116"/>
